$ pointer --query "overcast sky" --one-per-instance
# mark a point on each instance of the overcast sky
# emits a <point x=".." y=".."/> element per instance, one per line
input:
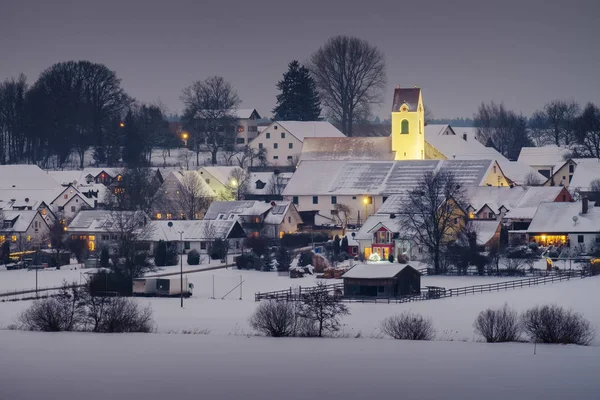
<point x="460" y="52"/>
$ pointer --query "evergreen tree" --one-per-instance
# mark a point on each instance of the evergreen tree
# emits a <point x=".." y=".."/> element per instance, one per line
<point x="284" y="259"/>
<point x="298" y="100"/>
<point x="133" y="146"/>
<point x="344" y="245"/>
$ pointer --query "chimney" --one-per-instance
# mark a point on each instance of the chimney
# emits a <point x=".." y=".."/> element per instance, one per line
<point x="465" y="137"/>
<point x="584" y="205"/>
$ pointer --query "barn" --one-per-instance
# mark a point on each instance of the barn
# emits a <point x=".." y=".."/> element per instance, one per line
<point x="381" y="280"/>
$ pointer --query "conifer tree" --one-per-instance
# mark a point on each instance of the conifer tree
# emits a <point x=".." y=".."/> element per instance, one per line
<point x="298" y="99"/>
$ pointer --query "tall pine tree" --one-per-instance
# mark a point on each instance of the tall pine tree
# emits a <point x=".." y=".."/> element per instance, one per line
<point x="298" y="99"/>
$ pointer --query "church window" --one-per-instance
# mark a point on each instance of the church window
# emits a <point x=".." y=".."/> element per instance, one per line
<point x="404" y="126"/>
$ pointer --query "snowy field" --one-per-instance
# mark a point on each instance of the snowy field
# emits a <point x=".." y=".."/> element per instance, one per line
<point x="158" y="366"/>
<point x="452" y="317"/>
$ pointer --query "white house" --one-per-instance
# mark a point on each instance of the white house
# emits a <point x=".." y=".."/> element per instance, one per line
<point x="283" y="140"/>
<point x="221" y="179"/>
<point x="247" y="128"/>
<point x="25" y="230"/>
<point x="543" y="159"/>
<point x="170" y="205"/>
<point x="574" y="225"/>
<point x="364" y="186"/>
<point x="197" y="234"/>
<point x="576" y="174"/>
<point x="272" y="219"/>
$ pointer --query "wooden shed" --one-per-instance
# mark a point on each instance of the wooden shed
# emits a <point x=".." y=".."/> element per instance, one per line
<point x="381" y="280"/>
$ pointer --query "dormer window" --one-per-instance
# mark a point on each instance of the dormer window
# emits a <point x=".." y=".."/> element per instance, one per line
<point x="260" y="184"/>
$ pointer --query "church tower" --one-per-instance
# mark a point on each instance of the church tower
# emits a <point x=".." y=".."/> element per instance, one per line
<point x="408" y="124"/>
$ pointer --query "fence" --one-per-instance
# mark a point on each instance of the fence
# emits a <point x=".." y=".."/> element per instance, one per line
<point x="429" y="293"/>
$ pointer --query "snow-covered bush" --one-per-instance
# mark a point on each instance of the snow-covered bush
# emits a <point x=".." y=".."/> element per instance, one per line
<point x="554" y="324"/>
<point x="501" y="325"/>
<point x="408" y="326"/>
<point x="274" y="318"/>
<point x="305" y="258"/>
<point x="193" y="257"/>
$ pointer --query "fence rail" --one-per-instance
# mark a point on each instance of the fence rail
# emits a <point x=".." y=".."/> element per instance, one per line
<point x="428" y="294"/>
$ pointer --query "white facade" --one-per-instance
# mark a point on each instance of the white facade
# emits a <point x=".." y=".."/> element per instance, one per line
<point x="247" y="128"/>
<point x="325" y="205"/>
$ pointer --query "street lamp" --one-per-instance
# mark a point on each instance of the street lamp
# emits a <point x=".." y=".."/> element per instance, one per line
<point x="170" y="225"/>
<point x="234" y="184"/>
<point x="121" y="124"/>
<point x="185" y="137"/>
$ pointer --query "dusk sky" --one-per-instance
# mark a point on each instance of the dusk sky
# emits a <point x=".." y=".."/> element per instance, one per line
<point x="460" y="52"/>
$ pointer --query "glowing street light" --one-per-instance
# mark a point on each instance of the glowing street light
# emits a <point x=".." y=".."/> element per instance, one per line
<point x="122" y="124"/>
<point x="185" y="137"/>
<point x="234" y="184"/>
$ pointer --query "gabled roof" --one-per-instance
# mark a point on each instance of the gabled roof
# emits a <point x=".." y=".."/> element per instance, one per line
<point x="376" y="221"/>
<point x="268" y="178"/>
<point x="68" y="177"/>
<point x="112" y="172"/>
<point x="408" y="96"/>
<point x="542" y="156"/>
<point x="347" y="148"/>
<point x="246" y="113"/>
<point x="105" y="220"/>
<point x="195" y="230"/>
<point x="278" y="211"/>
<point x="223" y="210"/>
<point x="12" y="198"/>
<point x="305" y="129"/>
<point x="558" y="218"/>
<point x="25" y="176"/>
<point x="375" y="271"/>
<point x="180" y="175"/>
<point x="23" y="220"/>
<point x="511" y="198"/>
<point x="220" y="173"/>
<point x="584" y="174"/>
<point x="455" y="147"/>
<point x="485" y="229"/>
<point x="378" y="177"/>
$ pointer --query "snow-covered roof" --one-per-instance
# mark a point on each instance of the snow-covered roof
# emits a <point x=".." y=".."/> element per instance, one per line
<point x="224" y="210"/>
<point x="22" y="220"/>
<point x="106" y="220"/>
<point x="375" y="221"/>
<point x="304" y="129"/>
<point x="510" y="198"/>
<point x="179" y="177"/>
<point x="559" y="218"/>
<point x="195" y="230"/>
<point x="454" y="147"/>
<point x="26" y="176"/>
<point x="246" y="113"/>
<point x="112" y="172"/>
<point x="408" y="96"/>
<point x="438" y="129"/>
<point x="521" y="213"/>
<point x="377" y="177"/>
<point x="277" y="212"/>
<point x="68" y="177"/>
<point x="542" y="156"/>
<point x="268" y="178"/>
<point x="584" y="174"/>
<point x="347" y="148"/>
<point x="380" y="270"/>
<point x="485" y="229"/>
<point x="220" y="173"/>
<point x="518" y="172"/>
<point x="351" y="241"/>
<point x="13" y="198"/>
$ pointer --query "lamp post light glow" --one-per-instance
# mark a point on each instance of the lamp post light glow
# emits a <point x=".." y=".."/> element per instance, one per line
<point x="234" y="184"/>
<point x="185" y="137"/>
<point x="121" y="124"/>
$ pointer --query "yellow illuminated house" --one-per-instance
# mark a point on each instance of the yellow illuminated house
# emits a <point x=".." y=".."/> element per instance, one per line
<point x="408" y="124"/>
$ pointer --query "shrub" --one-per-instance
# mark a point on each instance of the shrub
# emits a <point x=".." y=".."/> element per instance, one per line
<point x="258" y="244"/>
<point x="274" y="318"/>
<point x="554" y="324"/>
<point x="343" y="256"/>
<point x="193" y="257"/>
<point x="391" y="258"/>
<point x="54" y="314"/>
<point x="121" y="314"/>
<point x="164" y="254"/>
<point x="501" y="325"/>
<point x="408" y="326"/>
<point x="284" y="259"/>
<point x="219" y="249"/>
<point x="305" y="259"/>
<point x="247" y="261"/>
<point x="402" y="258"/>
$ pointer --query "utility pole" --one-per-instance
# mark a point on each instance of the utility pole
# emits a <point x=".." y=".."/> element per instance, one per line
<point x="181" y="266"/>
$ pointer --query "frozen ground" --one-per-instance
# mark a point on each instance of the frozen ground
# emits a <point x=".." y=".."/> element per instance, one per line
<point x="158" y="366"/>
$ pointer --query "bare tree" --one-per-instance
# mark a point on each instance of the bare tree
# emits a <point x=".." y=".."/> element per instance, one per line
<point x="539" y="129"/>
<point x="532" y="179"/>
<point x="408" y="326"/>
<point x="501" y="325"/>
<point x="275" y="318"/>
<point x="433" y="214"/>
<point x="350" y="75"/>
<point x="276" y="185"/>
<point x="210" y="114"/>
<point x="342" y="214"/>
<point x="323" y="309"/>
<point x="184" y="158"/>
<point x="13" y="132"/>
<point x="561" y="117"/>
<point x="192" y="198"/>
<point x="588" y="130"/>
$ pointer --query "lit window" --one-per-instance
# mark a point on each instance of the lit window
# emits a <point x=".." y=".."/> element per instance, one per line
<point x="29" y="238"/>
<point x="13" y="238"/>
<point x="2" y="238"/>
<point x="44" y="211"/>
<point x="169" y="216"/>
<point x="281" y="234"/>
<point x="119" y="178"/>
<point x="92" y="237"/>
<point x="158" y="216"/>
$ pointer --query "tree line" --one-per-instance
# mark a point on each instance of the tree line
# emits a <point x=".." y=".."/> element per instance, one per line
<point x="559" y="122"/>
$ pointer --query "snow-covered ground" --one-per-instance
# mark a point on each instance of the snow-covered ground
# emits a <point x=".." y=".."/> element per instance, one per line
<point x="158" y="366"/>
<point x="452" y="317"/>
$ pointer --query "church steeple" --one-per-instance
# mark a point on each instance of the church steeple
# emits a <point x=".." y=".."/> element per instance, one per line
<point x="408" y="124"/>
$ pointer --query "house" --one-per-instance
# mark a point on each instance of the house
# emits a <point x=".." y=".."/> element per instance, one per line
<point x="379" y="234"/>
<point x="575" y="226"/>
<point x="196" y="234"/>
<point x="364" y="186"/>
<point x="247" y="128"/>
<point x="577" y="174"/>
<point x="24" y="229"/>
<point x="543" y="159"/>
<point x="283" y="140"/>
<point x="102" y="228"/>
<point x="25" y="176"/>
<point x="222" y="180"/>
<point x="257" y="218"/>
<point x="487" y="233"/>
<point x="182" y="192"/>
<point x="267" y="186"/>
<point x="105" y="176"/>
<point x="443" y="143"/>
<point x="353" y="246"/>
<point x="387" y="280"/>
